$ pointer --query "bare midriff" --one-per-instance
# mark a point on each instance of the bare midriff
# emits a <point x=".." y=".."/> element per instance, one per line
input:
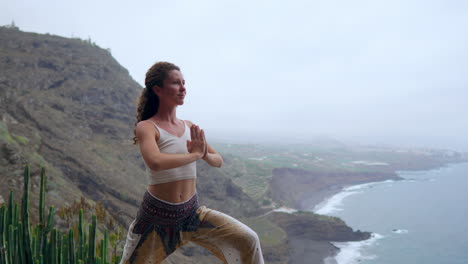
<point x="174" y="192"/>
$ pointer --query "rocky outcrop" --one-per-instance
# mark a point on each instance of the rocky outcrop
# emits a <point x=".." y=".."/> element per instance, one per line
<point x="309" y="235"/>
<point x="310" y="226"/>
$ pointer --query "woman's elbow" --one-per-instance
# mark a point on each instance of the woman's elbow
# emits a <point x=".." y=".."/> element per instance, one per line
<point x="220" y="163"/>
<point x="155" y="166"/>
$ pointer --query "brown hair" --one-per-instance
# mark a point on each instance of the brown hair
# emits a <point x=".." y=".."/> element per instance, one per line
<point x="148" y="103"/>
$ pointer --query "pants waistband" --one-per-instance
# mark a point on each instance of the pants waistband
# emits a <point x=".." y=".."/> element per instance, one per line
<point x="157" y="211"/>
<point x="170" y="202"/>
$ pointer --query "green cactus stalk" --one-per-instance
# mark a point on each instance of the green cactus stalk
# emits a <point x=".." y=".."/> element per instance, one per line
<point x="106" y="246"/>
<point x="2" y="232"/>
<point x="15" y="215"/>
<point x="42" y="234"/>
<point x="59" y="247"/>
<point x="50" y="222"/>
<point x="21" y="243"/>
<point x="47" y="249"/>
<point x="48" y="228"/>
<point x="42" y="197"/>
<point x="101" y="249"/>
<point x="37" y="242"/>
<point x="34" y="244"/>
<point x="92" y="240"/>
<point x="64" y="251"/>
<point x="28" y="258"/>
<point x="11" y="245"/>
<point x="10" y="210"/>
<point x="71" y="247"/>
<point x="53" y="247"/>
<point x="81" y="237"/>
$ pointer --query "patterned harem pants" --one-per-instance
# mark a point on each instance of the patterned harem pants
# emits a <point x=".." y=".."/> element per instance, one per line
<point x="161" y="227"/>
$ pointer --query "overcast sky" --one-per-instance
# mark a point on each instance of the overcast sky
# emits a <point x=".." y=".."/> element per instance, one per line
<point x="388" y="72"/>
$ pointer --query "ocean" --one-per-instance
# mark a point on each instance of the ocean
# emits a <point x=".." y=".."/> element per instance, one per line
<point x="421" y="219"/>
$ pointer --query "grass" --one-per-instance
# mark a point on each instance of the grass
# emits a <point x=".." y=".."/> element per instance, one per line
<point x="4" y="134"/>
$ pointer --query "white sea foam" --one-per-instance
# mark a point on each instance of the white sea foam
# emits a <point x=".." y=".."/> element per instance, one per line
<point x="400" y="231"/>
<point x="334" y="203"/>
<point x="260" y="158"/>
<point x="369" y="163"/>
<point x="354" y="252"/>
<point x="285" y="210"/>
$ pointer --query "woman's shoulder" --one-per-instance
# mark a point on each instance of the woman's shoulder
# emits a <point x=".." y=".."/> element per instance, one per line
<point x="146" y="126"/>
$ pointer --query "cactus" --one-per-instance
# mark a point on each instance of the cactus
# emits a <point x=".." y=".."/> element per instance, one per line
<point x="10" y="210"/>
<point x="2" y="233"/>
<point x="21" y="242"/>
<point x="92" y="240"/>
<point x="27" y="257"/>
<point x="11" y="245"/>
<point x="42" y="197"/>
<point x="53" y="247"/>
<point x="71" y="247"/>
<point x="106" y="246"/>
<point x="81" y="237"/>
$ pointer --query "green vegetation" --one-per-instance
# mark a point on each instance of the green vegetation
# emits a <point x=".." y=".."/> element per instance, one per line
<point x="4" y="135"/>
<point x="11" y="138"/>
<point x="22" y="242"/>
<point x="20" y="139"/>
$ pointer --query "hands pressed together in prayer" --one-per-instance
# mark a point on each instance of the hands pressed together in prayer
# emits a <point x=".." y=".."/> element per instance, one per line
<point x="198" y="143"/>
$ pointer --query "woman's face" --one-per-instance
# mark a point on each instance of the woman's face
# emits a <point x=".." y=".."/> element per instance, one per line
<point x="173" y="90"/>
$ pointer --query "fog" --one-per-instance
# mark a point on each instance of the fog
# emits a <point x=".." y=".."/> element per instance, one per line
<point x="370" y="72"/>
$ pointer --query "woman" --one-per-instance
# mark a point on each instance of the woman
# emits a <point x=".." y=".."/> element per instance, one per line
<point x="169" y="215"/>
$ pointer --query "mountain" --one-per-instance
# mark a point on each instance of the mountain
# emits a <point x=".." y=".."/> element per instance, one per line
<point x="72" y="106"/>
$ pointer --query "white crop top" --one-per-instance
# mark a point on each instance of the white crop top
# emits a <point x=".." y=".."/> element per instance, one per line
<point x="171" y="144"/>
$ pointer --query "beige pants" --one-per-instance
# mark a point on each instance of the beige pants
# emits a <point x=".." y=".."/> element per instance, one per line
<point x="227" y="238"/>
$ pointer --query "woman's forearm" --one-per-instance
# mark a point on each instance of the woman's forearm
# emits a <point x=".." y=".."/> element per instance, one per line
<point x="214" y="159"/>
<point x="165" y="161"/>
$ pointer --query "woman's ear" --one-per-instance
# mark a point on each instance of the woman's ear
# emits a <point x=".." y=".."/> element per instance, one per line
<point x="157" y="90"/>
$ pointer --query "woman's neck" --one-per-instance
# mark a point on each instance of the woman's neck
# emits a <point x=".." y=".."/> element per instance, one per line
<point x="166" y="114"/>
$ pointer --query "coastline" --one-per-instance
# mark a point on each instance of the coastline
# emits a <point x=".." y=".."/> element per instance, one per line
<point x="327" y="200"/>
<point x="321" y="196"/>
